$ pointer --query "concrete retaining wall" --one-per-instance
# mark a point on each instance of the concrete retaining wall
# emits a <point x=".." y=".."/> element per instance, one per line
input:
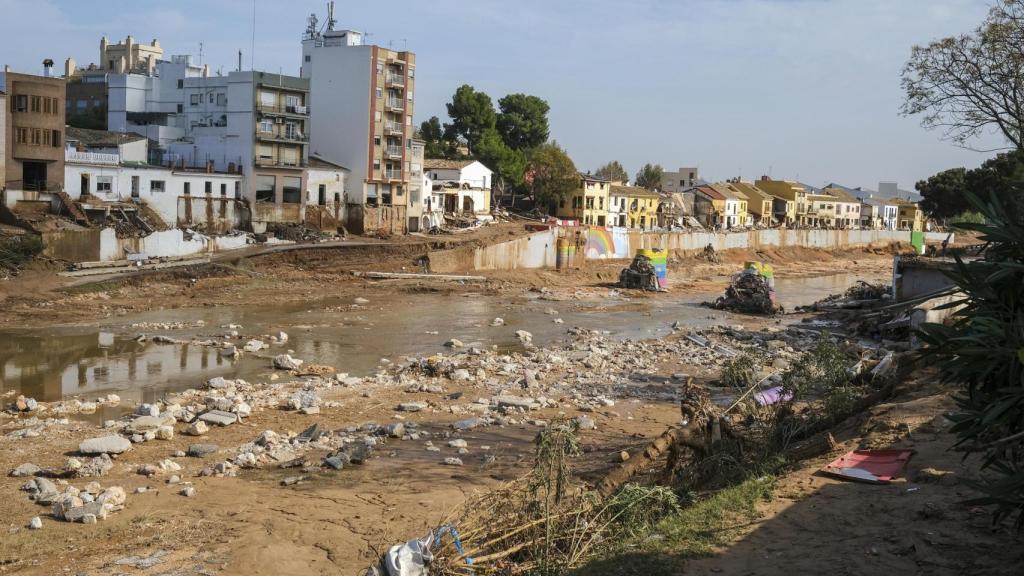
<point x="539" y="250"/>
<point x="103" y="245"/>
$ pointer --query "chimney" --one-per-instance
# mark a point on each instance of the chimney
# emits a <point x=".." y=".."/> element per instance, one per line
<point x="239" y="60"/>
<point x="48" y="68"/>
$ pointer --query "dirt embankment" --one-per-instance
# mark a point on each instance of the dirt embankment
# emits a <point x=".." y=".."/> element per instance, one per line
<point x="39" y="297"/>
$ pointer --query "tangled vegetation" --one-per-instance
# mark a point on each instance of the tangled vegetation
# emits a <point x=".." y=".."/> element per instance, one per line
<point x="15" y="252"/>
<point x="982" y="351"/>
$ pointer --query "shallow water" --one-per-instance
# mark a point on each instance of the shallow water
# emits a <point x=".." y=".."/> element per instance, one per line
<point x="95" y="359"/>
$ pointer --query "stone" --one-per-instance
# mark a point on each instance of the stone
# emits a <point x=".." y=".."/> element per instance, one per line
<point x="412" y="406"/>
<point x="88" y="518"/>
<point x="141" y="490"/>
<point x="147" y="410"/>
<point x="143" y="424"/>
<point x="97" y="466"/>
<point x="36" y="523"/>
<point x="229" y="351"/>
<point x="281" y="337"/>
<point x="169" y="465"/>
<point x="623" y="456"/>
<point x="253" y="346"/>
<point x="292" y="480"/>
<point x="358" y="453"/>
<point x="165" y="433"/>
<point x="452" y="461"/>
<point x="334" y="462"/>
<point x="454" y="343"/>
<point x="246" y="460"/>
<point x="64" y="504"/>
<point x="201" y="450"/>
<point x="524" y="336"/>
<point x="498" y="322"/>
<point x="197" y="428"/>
<point x="219" y="417"/>
<point x="585" y="422"/>
<point x="506" y="401"/>
<point x="461" y="374"/>
<point x="361" y="301"/>
<point x="286" y="362"/>
<point x="458" y="443"/>
<point x="218" y="383"/>
<point x="468" y="424"/>
<point x="309" y="410"/>
<point x="219" y="403"/>
<point x="187" y="491"/>
<point x="26" y="469"/>
<point x="114" y="496"/>
<point x="395" y="430"/>
<point x="243" y="409"/>
<point x="105" y="445"/>
<point x="79" y="513"/>
<point x="149" y="470"/>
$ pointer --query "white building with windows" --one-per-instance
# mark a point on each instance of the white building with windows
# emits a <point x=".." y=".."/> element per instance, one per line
<point x="466" y="185"/>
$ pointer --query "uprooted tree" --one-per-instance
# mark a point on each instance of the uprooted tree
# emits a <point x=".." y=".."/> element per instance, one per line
<point x="968" y="83"/>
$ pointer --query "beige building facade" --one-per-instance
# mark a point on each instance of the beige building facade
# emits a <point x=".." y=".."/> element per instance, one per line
<point x="34" y="132"/>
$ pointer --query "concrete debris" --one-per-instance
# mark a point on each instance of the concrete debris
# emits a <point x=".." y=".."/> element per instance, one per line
<point x="105" y="445"/>
<point x="219" y="417"/>
<point x="412" y="406"/>
<point x="198" y="428"/>
<point x="286" y="362"/>
<point x="254" y="346"/>
<point x="26" y="469"/>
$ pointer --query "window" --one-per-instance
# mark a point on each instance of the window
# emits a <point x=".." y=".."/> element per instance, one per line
<point x="380" y="93"/>
<point x="36" y="100"/>
<point x="380" y="67"/>
<point x="238" y="190"/>
<point x="222" y="99"/>
<point x="223" y="189"/>
<point x="46" y="137"/>
<point x="291" y="130"/>
<point x="104" y="183"/>
<point x="21" y="135"/>
<point x="81" y="105"/>
<point x="266" y="126"/>
<point x="266" y="151"/>
<point x="265" y="188"/>
<point x="590" y="202"/>
<point x="181" y="83"/>
<point x="410" y="95"/>
<point x="376" y="140"/>
<point x="308" y="58"/>
<point x="268" y="99"/>
<point x="412" y="72"/>
<point x="20" y="103"/>
<point x="187" y="188"/>
<point x="194" y="99"/>
<point x="211" y="97"/>
<point x="181" y="108"/>
<point x="376" y="164"/>
<point x="601" y="203"/>
<point x="156" y="186"/>
<point x="55" y="106"/>
<point x="46" y="105"/>
<point x="292" y="190"/>
<point x="292" y="100"/>
<point x="37" y="136"/>
<point x="376" y="116"/>
<point x="208" y="187"/>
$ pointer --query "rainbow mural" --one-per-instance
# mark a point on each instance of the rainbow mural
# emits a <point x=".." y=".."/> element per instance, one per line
<point x="600" y="243"/>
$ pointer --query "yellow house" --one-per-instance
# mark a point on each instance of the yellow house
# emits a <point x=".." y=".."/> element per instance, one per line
<point x="790" y="199"/>
<point x="589" y="203"/>
<point x="910" y="216"/>
<point x="735" y="204"/>
<point x="759" y="203"/>
<point x="641" y="206"/>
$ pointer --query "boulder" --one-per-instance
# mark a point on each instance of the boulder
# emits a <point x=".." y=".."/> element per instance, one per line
<point x="197" y="428"/>
<point x="286" y="362"/>
<point x="412" y="406"/>
<point x="26" y="469"/>
<point x="105" y="445"/>
<point x="201" y="450"/>
<point x="165" y="433"/>
<point x="253" y="346"/>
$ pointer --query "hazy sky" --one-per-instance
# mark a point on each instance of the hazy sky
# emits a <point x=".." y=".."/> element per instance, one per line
<point x="805" y="89"/>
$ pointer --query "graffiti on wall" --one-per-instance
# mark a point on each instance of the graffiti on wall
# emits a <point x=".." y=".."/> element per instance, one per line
<point x="607" y="243"/>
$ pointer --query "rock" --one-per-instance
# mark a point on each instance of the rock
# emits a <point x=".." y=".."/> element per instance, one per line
<point x="165" y="433"/>
<point x="253" y="346"/>
<point x="64" y="504"/>
<point x="281" y="337"/>
<point x="141" y="490"/>
<point x="461" y="374"/>
<point x="935" y="476"/>
<point x="412" y="406"/>
<point x="395" y="430"/>
<point x="187" y="491"/>
<point x="219" y="403"/>
<point x="334" y="462"/>
<point x="498" y="322"/>
<point x="105" y="445"/>
<point x="229" y="351"/>
<point x="26" y="469"/>
<point x="219" y="417"/>
<point x="36" y="523"/>
<point x="87" y="509"/>
<point x="219" y="383"/>
<point x="505" y="401"/>
<point x="242" y="409"/>
<point x="246" y="460"/>
<point x="88" y="518"/>
<point x="309" y="410"/>
<point x="197" y="428"/>
<point x="468" y="424"/>
<point x="358" y="453"/>
<point x="458" y="443"/>
<point x="147" y="410"/>
<point x="361" y="301"/>
<point x="585" y="422"/>
<point x="114" y="496"/>
<point x="311" y="434"/>
<point x="286" y="362"/>
<point x="292" y="480"/>
<point x="201" y="450"/>
<point x="623" y="456"/>
<point x="454" y="343"/>
<point x="524" y="336"/>
<point x="97" y="466"/>
<point x="452" y="461"/>
<point x="143" y="424"/>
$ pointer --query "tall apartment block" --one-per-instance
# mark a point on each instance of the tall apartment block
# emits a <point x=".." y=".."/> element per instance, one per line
<point x="33" y="154"/>
<point x="361" y="99"/>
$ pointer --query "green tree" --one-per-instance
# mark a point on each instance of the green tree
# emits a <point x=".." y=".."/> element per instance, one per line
<point x="999" y="178"/>
<point x="93" y="119"/>
<point x="649" y="176"/>
<point x="432" y="134"/>
<point x="613" y="172"/>
<point x="944" y="193"/>
<point x="523" y="121"/>
<point x="551" y="174"/>
<point x="966" y="84"/>
<point x="508" y="164"/>
<point x="472" y="115"/>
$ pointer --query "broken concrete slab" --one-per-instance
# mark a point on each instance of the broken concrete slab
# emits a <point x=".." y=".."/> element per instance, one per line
<point x="105" y="445"/>
<point x="219" y="417"/>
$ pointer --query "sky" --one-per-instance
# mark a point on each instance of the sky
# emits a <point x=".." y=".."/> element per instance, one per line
<point x="795" y="89"/>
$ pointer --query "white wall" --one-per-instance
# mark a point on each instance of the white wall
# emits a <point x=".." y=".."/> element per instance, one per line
<point x="340" y="109"/>
<point x="475" y="175"/>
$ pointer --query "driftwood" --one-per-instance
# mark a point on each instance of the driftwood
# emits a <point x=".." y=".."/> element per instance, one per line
<point x="621" y="474"/>
<point x="814" y="446"/>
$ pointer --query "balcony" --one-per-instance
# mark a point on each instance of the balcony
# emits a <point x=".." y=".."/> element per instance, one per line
<point x="394" y="128"/>
<point x="394" y="104"/>
<point x="393" y="79"/>
<point x="77" y="157"/>
<point x="393" y="152"/>
<point x="298" y="111"/>
<point x="295" y="137"/>
<point x="279" y="163"/>
<point x="392" y="174"/>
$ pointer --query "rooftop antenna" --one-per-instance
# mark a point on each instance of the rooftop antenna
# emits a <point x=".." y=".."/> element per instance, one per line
<point x="239" y="60"/>
<point x="330" y="16"/>
<point x="200" y="53"/>
<point x="405" y="45"/>
<point x="311" y="22"/>
<point x="252" y="49"/>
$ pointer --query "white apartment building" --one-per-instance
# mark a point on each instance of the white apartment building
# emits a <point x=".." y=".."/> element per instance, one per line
<point x="361" y="99"/>
<point x="682" y="179"/>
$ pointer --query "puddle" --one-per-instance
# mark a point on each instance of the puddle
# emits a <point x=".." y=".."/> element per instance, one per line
<point x="92" y="360"/>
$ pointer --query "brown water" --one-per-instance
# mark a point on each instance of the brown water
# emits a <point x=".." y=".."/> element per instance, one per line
<point x="88" y="361"/>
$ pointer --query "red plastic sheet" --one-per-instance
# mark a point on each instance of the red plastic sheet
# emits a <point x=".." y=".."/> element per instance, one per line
<point x="873" y="466"/>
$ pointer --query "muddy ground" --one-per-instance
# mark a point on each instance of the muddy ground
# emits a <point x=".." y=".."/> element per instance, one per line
<point x="337" y="522"/>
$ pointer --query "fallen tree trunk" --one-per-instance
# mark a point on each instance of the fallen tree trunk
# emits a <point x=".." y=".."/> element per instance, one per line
<point x="621" y="474"/>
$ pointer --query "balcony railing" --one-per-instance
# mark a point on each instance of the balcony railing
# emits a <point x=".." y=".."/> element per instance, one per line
<point x="91" y="157"/>
<point x="393" y="174"/>
<point x="395" y="151"/>
<point x="395" y="79"/>
<point x="279" y="163"/>
<point x="293" y="110"/>
<point x="395" y="103"/>
<point x="392" y="127"/>
<point x="295" y="137"/>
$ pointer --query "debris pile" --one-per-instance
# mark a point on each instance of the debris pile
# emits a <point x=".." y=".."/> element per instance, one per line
<point x="751" y="291"/>
<point x="640" y="275"/>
